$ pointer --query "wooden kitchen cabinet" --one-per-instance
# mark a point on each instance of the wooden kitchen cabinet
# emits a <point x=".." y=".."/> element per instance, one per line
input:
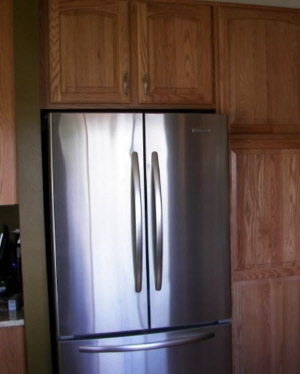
<point x="175" y="61"/>
<point x="130" y="52"/>
<point x="259" y="54"/>
<point x="89" y="51"/>
<point x="12" y="350"/>
<point x="266" y="338"/>
<point x="265" y="245"/>
<point x="8" y="167"/>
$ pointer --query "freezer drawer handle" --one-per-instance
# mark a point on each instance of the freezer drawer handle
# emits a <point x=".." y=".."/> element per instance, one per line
<point x="137" y="212"/>
<point x="158" y="223"/>
<point x="147" y="346"/>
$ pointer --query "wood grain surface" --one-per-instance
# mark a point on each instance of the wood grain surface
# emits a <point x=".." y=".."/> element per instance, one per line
<point x="89" y="51"/>
<point x="8" y="167"/>
<point x="12" y="350"/>
<point x="266" y="326"/>
<point x="265" y="253"/>
<point x="175" y="51"/>
<point x="259" y="70"/>
<point x="265" y="197"/>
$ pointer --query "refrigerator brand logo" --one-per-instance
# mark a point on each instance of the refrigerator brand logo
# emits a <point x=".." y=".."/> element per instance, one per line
<point x="201" y="131"/>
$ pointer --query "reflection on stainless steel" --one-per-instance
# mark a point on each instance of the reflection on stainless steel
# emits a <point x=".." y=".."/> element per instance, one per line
<point x="211" y="356"/>
<point x="125" y="83"/>
<point x="194" y="188"/>
<point x="108" y="170"/>
<point x="147" y="346"/>
<point x="94" y="243"/>
<point x="138" y="227"/>
<point x="158" y="223"/>
<point x="145" y="84"/>
<point x="69" y="185"/>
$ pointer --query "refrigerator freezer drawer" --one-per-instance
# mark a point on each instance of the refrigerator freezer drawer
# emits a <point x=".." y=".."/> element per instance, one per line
<point x="194" y="351"/>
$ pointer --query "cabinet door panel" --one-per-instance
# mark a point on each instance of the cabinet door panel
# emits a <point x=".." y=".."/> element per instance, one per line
<point x="259" y="70"/>
<point x="175" y="53"/>
<point x="266" y="326"/>
<point x="267" y="195"/>
<point x="101" y="37"/>
<point x="89" y="51"/>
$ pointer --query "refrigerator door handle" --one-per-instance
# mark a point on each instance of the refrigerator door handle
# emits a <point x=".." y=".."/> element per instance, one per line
<point x="138" y="229"/>
<point x="147" y="346"/>
<point x="158" y="222"/>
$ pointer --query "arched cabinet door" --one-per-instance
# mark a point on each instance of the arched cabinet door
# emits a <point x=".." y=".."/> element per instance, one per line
<point x="259" y="69"/>
<point x="174" y="53"/>
<point x="89" y="51"/>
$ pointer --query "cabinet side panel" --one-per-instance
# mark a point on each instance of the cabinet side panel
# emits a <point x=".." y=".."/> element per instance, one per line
<point x="8" y="183"/>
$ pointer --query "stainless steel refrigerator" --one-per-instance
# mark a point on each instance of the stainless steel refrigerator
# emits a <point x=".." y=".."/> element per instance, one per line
<point x="140" y="242"/>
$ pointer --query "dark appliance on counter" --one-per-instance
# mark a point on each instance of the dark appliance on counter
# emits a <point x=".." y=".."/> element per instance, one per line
<point x="140" y="242"/>
<point x="10" y="263"/>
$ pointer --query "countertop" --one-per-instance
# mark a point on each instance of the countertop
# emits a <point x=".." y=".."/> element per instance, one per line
<point x="11" y="319"/>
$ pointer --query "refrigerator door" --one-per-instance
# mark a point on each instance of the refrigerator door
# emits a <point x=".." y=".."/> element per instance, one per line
<point x="187" y="194"/>
<point x="205" y="350"/>
<point x="96" y="163"/>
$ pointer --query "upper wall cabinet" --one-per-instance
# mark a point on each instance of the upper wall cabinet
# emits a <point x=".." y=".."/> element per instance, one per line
<point x="260" y="69"/>
<point x="174" y="53"/>
<point x="95" y="57"/>
<point x="8" y="167"/>
<point x="89" y="51"/>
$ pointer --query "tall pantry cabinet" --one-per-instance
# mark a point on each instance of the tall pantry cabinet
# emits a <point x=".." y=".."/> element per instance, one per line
<point x="260" y="91"/>
<point x="265" y="245"/>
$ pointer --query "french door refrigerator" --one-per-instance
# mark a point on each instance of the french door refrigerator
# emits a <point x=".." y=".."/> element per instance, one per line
<point x="140" y="242"/>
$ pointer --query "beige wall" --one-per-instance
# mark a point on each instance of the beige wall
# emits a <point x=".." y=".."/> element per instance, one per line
<point x="30" y="186"/>
<point x="30" y="179"/>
